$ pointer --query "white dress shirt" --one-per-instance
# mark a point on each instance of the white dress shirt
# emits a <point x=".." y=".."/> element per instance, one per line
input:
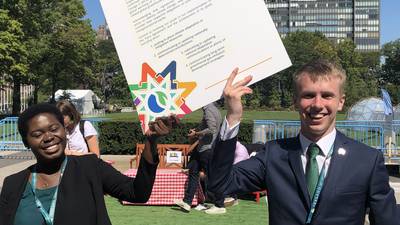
<point x="325" y="144"/>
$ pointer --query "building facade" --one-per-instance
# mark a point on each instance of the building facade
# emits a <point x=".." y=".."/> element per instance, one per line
<point x="358" y="20"/>
<point x="103" y="33"/>
<point x="6" y="96"/>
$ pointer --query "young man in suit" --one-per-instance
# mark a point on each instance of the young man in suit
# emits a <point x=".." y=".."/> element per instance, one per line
<point x="319" y="177"/>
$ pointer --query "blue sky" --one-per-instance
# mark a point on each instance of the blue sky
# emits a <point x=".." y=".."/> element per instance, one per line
<point x="390" y="17"/>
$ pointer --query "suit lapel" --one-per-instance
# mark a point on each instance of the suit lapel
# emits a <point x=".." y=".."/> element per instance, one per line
<point x="297" y="167"/>
<point x="337" y="163"/>
<point x="338" y="160"/>
<point x="23" y="178"/>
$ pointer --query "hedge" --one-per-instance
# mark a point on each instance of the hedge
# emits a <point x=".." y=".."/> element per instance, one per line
<point x="120" y="138"/>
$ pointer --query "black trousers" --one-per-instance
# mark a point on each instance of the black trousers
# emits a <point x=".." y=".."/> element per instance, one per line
<point x="199" y="161"/>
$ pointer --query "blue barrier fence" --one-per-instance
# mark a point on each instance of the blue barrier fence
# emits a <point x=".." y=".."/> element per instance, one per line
<point x="372" y="133"/>
<point x="10" y="138"/>
<point x="378" y="134"/>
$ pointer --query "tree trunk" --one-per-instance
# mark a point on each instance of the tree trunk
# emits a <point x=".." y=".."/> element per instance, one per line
<point x="54" y="85"/>
<point x="35" y="94"/>
<point x="16" y="104"/>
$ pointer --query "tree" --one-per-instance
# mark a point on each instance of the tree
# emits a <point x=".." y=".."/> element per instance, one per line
<point x="72" y="57"/>
<point x="389" y="72"/>
<point x="277" y="91"/>
<point x="391" y="66"/>
<point x="114" y="86"/>
<point x="360" y="82"/>
<point x="302" y="47"/>
<point x="253" y="101"/>
<point x="13" y="64"/>
<point x="61" y="44"/>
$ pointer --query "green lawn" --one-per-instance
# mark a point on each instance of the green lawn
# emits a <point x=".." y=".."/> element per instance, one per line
<point x="247" y="212"/>
<point x="248" y="116"/>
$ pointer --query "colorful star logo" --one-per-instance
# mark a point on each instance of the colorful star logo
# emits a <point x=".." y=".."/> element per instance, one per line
<point x="160" y="94"/>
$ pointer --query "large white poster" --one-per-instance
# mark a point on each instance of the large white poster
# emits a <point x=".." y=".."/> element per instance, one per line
<point x="177" y="54"/>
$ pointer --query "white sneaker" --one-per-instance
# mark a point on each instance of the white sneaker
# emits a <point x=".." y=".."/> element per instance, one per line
<point x="179" y="202"/>
<point x="229" y="202"/>
<point x="215" y="210"/>
<point x="200" y="207"/>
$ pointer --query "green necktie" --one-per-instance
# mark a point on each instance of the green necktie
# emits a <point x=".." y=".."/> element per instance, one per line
<point x="312" y="173"/>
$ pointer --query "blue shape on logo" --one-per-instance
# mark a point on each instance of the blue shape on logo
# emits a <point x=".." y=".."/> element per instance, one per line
<point x="153" y="104"/>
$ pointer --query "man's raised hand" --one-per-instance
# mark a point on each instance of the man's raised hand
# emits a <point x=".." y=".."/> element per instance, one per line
<point x="233" y="93"/>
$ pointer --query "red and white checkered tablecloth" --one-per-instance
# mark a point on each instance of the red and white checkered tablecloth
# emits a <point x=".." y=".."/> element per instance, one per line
<point x="169" y="185"/>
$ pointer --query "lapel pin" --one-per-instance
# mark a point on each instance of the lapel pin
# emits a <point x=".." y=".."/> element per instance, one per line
<point x="342" y="151"/>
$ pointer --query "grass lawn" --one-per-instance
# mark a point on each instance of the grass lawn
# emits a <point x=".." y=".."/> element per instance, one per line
<point x="247" y="212"/>
<point x="248" y="116"/>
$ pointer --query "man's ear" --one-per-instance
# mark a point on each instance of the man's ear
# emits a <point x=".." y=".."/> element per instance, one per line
<point x="341" y="102"/>
<point x="294" y="99"/>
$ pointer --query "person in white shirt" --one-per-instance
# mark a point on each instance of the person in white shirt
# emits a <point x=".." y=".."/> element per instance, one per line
<point x="78" y="143"/>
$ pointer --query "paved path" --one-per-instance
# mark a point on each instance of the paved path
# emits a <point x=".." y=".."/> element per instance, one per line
<point x="13" y="168"/>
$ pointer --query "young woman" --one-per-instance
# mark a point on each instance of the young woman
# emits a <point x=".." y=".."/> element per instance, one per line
<point x="77" y="142"/>
<point x="69" y="190"/>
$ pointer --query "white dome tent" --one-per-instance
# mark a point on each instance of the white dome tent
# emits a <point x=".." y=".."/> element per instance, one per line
<point x="369" y="109"/>
<point x="85" y="101"/>
<point x="370" y="112"/>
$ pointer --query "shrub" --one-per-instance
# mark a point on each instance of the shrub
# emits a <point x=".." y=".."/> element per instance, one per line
<point x="120" y="138"/>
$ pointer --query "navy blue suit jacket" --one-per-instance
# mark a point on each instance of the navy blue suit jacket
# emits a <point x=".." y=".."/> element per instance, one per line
<point x="355" y="181"/>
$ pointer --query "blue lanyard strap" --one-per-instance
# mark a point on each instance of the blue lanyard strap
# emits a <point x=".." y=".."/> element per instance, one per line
<point x="318" y="189"/>
<point x="48" y="216"/>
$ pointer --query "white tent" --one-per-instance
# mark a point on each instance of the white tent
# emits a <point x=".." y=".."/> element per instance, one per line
<point x="85" y="101"/>
<point x="371" y="109"/>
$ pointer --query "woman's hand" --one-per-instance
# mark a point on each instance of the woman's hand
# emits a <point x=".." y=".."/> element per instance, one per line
<point x="192" y="133"/>
<point x="162" y="126"/>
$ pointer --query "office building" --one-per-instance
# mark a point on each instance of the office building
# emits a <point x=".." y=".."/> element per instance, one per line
<point x="358" y="20"/>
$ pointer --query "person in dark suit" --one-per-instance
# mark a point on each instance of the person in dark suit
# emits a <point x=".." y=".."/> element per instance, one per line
<point x="319" y="177"/>
<point x="69" y="190"/>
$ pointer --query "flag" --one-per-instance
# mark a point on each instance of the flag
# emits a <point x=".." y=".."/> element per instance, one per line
<point x="387" y="103"/>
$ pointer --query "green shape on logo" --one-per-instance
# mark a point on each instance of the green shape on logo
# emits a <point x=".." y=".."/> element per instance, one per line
<point x="162" y="98"/>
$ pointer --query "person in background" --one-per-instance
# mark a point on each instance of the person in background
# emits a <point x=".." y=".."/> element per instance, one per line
<point x="78" y="143"/>
<point x="69" y="190"/>
<point x="241" y="154"/>
<point x="206" y="133"/>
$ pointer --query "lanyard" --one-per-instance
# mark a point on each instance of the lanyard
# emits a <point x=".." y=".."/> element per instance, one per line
<point x="318" y="189"/>
<point x="48" y="216"/>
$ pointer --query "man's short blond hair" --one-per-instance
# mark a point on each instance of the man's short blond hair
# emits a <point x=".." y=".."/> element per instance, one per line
<point x="321" y="69"/>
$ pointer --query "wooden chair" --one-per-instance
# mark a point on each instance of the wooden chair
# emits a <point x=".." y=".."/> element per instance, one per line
<point x="258" y="195"/>
<point x="136" y="158"/>
<point x="164" y="148"/>
<point x="162" y="154"/>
